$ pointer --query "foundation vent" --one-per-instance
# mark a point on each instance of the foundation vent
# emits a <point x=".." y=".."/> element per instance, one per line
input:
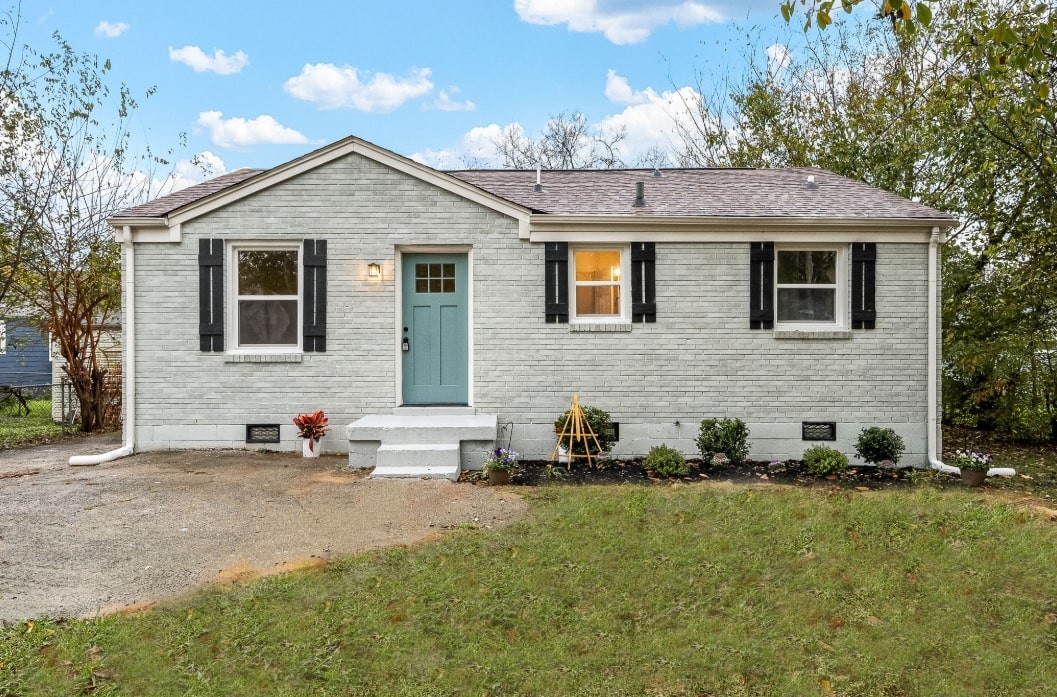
<point x="262" y="433"/>
<point x="819" y="430"/>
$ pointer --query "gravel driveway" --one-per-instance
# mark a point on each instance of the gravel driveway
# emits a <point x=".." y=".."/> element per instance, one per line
<point x="76" y="541"/>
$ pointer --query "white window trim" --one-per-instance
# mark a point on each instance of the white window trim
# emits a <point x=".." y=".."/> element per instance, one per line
<point x="233" y="293"/>
<point x="842" y="295"/>
<point x="625" y="283"/>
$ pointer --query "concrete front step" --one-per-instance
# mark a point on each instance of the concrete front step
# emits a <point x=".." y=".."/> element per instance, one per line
<point x="422" y="445"/>
<point x="416" y="454"/>
<point x="428" y="472"/>
<point x="444" y="428"/>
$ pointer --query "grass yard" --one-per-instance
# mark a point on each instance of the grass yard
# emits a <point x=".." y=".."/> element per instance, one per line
<point x="623" y="590"/>
<point x="22" y="430"/>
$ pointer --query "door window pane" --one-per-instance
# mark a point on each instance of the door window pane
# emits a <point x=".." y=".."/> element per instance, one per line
<point x="434" y="278"/>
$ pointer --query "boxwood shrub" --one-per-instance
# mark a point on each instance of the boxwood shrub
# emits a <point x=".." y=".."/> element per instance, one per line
<point x="727" y="436"/>
<point x="822" y="460"/>
<point x="666" y="462"/>
<point x="876" y="444"/>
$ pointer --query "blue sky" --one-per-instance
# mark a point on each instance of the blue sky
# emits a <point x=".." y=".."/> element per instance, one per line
<point x="258" y="83"/>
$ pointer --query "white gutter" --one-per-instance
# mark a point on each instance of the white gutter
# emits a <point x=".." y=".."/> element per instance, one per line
<point x="933" y="368"/>
<point x="129" y="367"/>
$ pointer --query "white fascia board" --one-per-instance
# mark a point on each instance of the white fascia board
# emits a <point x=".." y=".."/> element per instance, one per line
<point x="342" y="148"/>
<point x="552" y="228"/>
<point x="154" y="230"/>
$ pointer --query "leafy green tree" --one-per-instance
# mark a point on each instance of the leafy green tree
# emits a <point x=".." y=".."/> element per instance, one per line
<point x="955" y="110"/>
<point x="64" y="169"/>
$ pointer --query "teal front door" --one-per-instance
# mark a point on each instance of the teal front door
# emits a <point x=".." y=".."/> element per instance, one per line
<point x="435" y="341"/>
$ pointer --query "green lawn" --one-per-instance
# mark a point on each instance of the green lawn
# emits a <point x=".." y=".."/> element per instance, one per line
<point x="22" y="430"/>
<point x="615" y="591"/>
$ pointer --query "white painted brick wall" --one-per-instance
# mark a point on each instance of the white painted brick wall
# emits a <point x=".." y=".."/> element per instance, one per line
<point x="699" y="359"/>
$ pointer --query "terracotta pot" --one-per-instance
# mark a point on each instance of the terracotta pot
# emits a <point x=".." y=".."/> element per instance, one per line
<point x="311" y="448"/>
<point x="497" y="478"/>
<point x="973" y="477"/>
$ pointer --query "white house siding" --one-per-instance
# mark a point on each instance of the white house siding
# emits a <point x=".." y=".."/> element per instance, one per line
<point x="699" y="359"/>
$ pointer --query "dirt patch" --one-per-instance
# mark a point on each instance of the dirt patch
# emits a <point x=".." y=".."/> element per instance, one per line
<point x="134" y="531"/>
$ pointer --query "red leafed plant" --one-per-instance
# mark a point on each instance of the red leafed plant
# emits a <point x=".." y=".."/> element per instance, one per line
<point x="312" y="426"/>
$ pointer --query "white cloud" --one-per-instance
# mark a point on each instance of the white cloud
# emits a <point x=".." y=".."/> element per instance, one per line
<point x="621" y="21"/>
<point x="200" y="62"/>
<point x="238" y="132"/>
<point x="333" y="87"/>
<point x="778" y="58"/>
<point x="444" y="102"/>
<point x="204" y="165"/>
<point x="619" y="91"/>
<point x="110" y="30"/>
<point x="476" y="148"/>
<point x="652" y="123"/>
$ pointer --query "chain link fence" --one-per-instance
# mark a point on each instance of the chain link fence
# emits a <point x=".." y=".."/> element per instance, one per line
<point x="55" y="403"/>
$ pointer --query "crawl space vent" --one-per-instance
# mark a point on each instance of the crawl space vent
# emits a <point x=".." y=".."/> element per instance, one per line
<point x="819" y="430"/>
<point x="262" y="433"/>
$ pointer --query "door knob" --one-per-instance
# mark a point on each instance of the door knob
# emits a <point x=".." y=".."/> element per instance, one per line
<point x="405" y="345"/>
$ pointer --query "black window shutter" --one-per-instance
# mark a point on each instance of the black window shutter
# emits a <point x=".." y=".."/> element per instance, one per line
<point x="556" y="256"/>
<point x="643" y="282"/>
<point x="761" y="285"/>
<point x="211" y="295"/>
<point x="863" y="276"/>
<point x="315" y="286"/>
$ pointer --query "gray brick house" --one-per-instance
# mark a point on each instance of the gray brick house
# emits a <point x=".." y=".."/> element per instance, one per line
<point x="411" y="303"/>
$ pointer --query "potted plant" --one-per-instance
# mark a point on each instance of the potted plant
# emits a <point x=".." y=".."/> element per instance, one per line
<point x="500" y="464"/>
<point x="312" y="427"/>
<point x="973" y="466"/>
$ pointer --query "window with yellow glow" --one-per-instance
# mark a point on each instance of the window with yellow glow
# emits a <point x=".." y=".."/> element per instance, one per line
<point x="598" y="282"/>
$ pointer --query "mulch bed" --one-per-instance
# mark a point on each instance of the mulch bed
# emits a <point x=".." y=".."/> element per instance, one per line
<point x="537" y="472"/>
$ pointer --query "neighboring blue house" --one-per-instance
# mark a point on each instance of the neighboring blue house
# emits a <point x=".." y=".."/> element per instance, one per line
<point x="24" y="356"/>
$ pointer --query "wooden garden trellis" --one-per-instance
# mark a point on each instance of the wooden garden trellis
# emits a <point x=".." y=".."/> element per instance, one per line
<point x="576" y="429"/>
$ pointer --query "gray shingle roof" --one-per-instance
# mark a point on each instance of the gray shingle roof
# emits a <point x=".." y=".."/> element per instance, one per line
<point x="735" y="193"/>
<point x="160" y="207"/>
<point x="766" y="193"/>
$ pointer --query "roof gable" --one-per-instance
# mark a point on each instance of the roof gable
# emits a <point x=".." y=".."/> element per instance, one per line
<point x="185" y="205"/>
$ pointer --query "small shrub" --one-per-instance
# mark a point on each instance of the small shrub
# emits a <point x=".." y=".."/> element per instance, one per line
<point x="877" y="444"/>
<point x="727" y="436"/>
<point x="822" y="460"/>
<point x="600" y="423"/>
<point x="666" y="462"/>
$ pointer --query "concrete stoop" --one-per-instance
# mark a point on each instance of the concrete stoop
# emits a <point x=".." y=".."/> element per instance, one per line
<point x="420" y="445"/>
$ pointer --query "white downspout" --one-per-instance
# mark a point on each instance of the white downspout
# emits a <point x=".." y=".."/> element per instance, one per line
<point x="128" y="350"/>
<point x="933" y="368"/>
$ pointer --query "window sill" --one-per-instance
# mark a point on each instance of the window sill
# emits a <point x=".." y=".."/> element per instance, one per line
<point x="812" y="334"/>
<point x="262" y="357"/>
<point x="600" y="327"/>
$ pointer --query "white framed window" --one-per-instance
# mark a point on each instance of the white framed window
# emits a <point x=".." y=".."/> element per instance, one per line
<point x="809" y="288"/>
<point x="265" y="283"/>
<point x="598" y="283"/>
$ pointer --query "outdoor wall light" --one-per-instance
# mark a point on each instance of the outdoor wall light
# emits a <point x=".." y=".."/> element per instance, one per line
<point x="374" y="270"/>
